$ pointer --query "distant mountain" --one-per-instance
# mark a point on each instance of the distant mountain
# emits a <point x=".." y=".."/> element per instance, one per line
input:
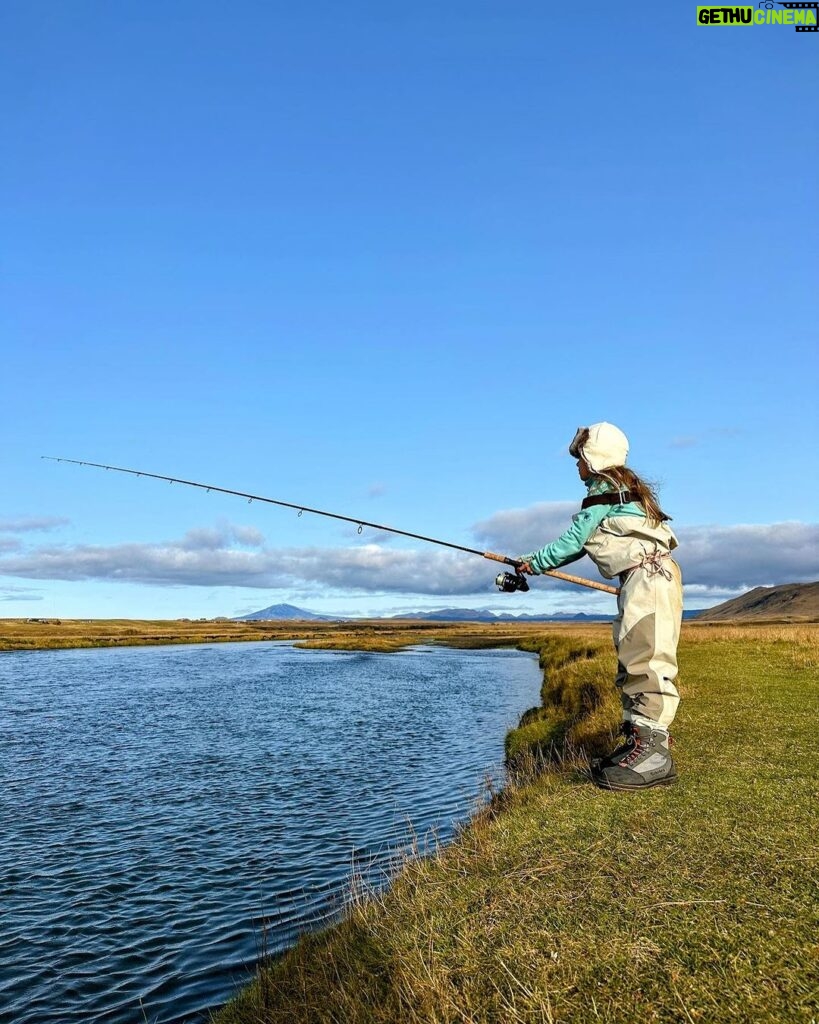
<point x="281" y="612"/>
<point x="484" y="615"/>
<point x="791" y="601"/>
<point x="285" y="611"/>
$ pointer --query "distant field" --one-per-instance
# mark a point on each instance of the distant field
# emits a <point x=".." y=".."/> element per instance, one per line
<point x="367" y="634"/>
<point x="376" y="634"/>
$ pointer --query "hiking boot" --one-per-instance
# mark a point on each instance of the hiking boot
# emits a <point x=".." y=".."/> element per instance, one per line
<point x="626" y="730"/>
<point x="647" y="762"/>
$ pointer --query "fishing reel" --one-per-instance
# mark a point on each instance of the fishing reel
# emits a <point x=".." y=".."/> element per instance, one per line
<point x="509" y="582"/>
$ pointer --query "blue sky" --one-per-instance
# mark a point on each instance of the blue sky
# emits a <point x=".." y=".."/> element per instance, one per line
<point x="384" y="262"/>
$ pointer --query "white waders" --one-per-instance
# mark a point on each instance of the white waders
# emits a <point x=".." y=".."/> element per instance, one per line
<point x="646" y="632"/>
<point x="647" y="627"/>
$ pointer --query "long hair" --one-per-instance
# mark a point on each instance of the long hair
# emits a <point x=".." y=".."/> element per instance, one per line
<point x="626" y="479"/>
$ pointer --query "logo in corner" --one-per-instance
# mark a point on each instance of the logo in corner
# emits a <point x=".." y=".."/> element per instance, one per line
<point x="803" y="15"/>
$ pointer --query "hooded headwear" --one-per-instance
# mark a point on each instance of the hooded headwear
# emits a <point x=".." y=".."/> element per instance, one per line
<point x="602" y="445"/>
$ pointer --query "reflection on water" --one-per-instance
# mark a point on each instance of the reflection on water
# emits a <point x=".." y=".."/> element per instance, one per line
<point x="158" y="804"/>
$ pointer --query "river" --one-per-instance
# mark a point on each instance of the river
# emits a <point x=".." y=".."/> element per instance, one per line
<point x="166" y="810"/>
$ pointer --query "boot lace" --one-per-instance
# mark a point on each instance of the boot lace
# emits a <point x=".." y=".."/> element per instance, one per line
<point x="636" y="751"/>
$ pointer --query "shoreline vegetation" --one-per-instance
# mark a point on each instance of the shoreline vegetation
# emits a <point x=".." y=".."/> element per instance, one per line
<point x="559" y="902"/>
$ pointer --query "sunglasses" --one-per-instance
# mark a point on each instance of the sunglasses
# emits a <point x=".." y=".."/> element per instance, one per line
<point x="579" y="439"/>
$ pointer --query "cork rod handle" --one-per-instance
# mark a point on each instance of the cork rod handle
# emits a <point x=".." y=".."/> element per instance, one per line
<point x="566" y="577"/>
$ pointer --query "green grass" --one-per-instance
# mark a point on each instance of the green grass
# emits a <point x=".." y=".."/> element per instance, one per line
<point x="562" y="903"/>
<point x="579" y="710"/>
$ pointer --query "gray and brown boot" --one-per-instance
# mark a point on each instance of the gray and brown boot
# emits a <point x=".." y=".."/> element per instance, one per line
<point x="643" y="761"/>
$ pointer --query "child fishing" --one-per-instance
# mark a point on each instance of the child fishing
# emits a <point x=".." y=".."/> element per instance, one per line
<point x="622" y="528"/>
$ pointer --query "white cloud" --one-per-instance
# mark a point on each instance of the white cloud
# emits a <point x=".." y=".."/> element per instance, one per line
<point x="743" y="556"/>
<point x="31" y="524"/>
<point x="221" y="536"/>
<point x="201" y="559"/>
<point x="518" y="531"/>
<point x="711" y="436"/>
<point x="717" y="561"/>
<point x="723" y="558"/>
<point x="19" y="594"/>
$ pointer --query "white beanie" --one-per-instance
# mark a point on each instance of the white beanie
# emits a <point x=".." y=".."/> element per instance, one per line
<point x="606" y="446"/>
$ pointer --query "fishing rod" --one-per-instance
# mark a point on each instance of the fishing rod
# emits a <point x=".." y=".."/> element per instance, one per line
<point x="505" y="581"/>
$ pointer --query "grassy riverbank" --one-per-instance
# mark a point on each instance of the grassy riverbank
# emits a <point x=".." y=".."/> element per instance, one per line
<point x="562" y="903"/>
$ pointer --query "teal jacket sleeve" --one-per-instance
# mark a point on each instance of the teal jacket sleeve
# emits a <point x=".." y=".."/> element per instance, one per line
<point x="569" y="545"/>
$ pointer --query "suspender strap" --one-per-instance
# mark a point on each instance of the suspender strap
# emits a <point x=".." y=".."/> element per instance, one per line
<point x="616" y="498"/>
<point x="609" y="498"/>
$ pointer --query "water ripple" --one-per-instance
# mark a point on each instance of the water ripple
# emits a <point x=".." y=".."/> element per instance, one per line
<point x="161" y="808"/>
